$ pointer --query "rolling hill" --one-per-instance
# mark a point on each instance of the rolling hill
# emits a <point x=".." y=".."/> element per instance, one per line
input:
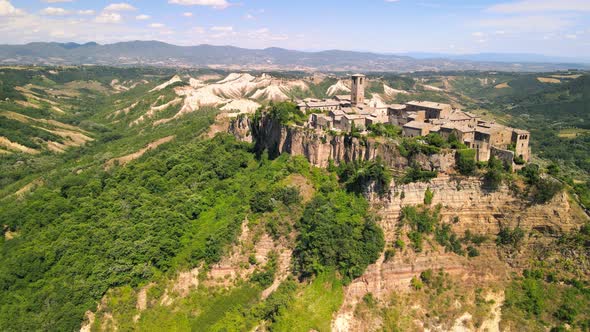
<point x="163" y="54"/>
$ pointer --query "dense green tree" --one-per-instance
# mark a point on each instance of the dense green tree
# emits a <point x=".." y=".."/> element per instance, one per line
<point x="336" y="231"/>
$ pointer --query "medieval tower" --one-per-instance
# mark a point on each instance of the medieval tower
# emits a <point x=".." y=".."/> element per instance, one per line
<point x="358" y="89"/>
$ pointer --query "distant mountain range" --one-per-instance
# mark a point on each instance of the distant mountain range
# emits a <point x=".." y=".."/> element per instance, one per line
<point x="500" y="57"/>
<point x="154" y="53"/>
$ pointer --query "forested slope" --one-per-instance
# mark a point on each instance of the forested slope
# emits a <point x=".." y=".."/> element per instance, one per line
<point x="170" y="227"/>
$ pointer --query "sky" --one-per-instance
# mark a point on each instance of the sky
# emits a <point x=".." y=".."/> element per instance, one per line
<point x="557" y="28"/>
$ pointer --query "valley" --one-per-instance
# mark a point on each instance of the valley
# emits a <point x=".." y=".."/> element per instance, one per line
<point x="197" y="199"/>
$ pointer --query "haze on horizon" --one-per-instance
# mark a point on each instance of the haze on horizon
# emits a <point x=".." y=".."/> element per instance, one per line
<point x="556" y="28"/>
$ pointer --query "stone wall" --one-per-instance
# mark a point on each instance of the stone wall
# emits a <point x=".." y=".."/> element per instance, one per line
<point x="506" y="156"/>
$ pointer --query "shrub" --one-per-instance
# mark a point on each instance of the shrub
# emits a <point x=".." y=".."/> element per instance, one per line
<point x="384" y="130"/>
<point x="400" y="244"/>
<point x="546" y="189"/>
<point x="358" y="175"/>
<point x="252" y="259"/>
<point x="287" y="195"/>
<point x="494" y="174"/>
<point x="265" y="276"/>
<point x="416" y="239"/>
<point x="472" y="251"/>
<point x="435" y="139"/>
<point x="262" y="201"/>
<point x="428" y="196"/>
<point x="416" y="174"/>
<point x="412" y="146"/>
<point x="566" y="313"/>
<point x="519" y="160"/>
<point x="553" y="169"/>
<point x="422" y="221"/>
<point x="455" y="143"/>
<point x="510" y="237"/>
<point x="466" y="161"/>
<point x="286" y="112"/>
<point x="369" y="300"/>
<point x="416" y="283"/>
<point x="530" y="173"/>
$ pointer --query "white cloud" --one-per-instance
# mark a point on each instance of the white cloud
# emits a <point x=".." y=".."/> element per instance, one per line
<point x="249" y="16"/>
<point x="571" y="36"/>
<point x="526" y="23"/>
<point x="525" y="6"/>
<point x="118" y="7"/>
<point x="264" y="34"/>
<point x="56" y="1"/>
<point x="25" y="28"/>
<point x="391" y="0"/>
<point x="219" y="4"/>
<point x="142" y="17"/>
<point x="105" y="17"/>
<point x="187" y="14"/>
<point x="86" y="12"/>
<point x="222" y="28"/>
<point x="478" y="34"/>
<point x="198" y="30"/>
<point x="55" y="11"/>
<point x="157" y="25"/>
<point x="7" y="9"/>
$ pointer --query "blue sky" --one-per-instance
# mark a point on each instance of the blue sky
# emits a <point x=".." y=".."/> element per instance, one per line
<point x="454" y="26"/>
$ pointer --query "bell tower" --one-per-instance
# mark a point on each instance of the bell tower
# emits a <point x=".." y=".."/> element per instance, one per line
<point x="358" y="89"/>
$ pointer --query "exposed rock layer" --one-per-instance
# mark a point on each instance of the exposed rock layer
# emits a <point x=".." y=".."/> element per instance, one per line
<point x="320" y="147"/>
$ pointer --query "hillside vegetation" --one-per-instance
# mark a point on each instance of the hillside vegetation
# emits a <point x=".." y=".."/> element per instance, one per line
<point x="118" y="224"/>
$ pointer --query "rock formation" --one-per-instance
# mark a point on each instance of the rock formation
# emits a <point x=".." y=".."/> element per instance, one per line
<point x="322" y="148"/>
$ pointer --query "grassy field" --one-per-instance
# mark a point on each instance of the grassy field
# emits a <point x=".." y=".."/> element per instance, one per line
<point x="572" y="132"/>
<point x="314" y="306"/>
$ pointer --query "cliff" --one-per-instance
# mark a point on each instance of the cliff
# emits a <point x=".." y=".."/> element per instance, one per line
<point x="465" y="206"/>
<point x="320" y="147"/>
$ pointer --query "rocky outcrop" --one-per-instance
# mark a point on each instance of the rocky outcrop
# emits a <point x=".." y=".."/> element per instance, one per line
<point x="240" y="128"/>
<point x="321" y="148"/>
<point x="466" y="205"/>
<point x="478" y="209"/>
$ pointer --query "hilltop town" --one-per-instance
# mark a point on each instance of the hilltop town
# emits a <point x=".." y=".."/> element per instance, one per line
<point x="214" y="203"/>
<point x="344" y="113"/>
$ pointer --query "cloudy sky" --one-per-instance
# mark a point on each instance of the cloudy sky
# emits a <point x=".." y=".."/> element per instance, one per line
<point x="549" y="27"/>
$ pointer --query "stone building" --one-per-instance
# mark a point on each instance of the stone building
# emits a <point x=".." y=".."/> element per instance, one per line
<point x="357" y="96"/>
<point x="416" y="128"/>
<point x="419" y="118"/>
<point x="432" y="110"/>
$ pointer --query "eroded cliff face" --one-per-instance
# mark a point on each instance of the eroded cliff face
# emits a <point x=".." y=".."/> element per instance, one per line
<point x="466" y="205"/>
<point x="320" y="147"/>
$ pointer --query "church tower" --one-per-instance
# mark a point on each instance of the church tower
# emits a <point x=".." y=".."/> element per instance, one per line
<point x="358" y="89"/>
